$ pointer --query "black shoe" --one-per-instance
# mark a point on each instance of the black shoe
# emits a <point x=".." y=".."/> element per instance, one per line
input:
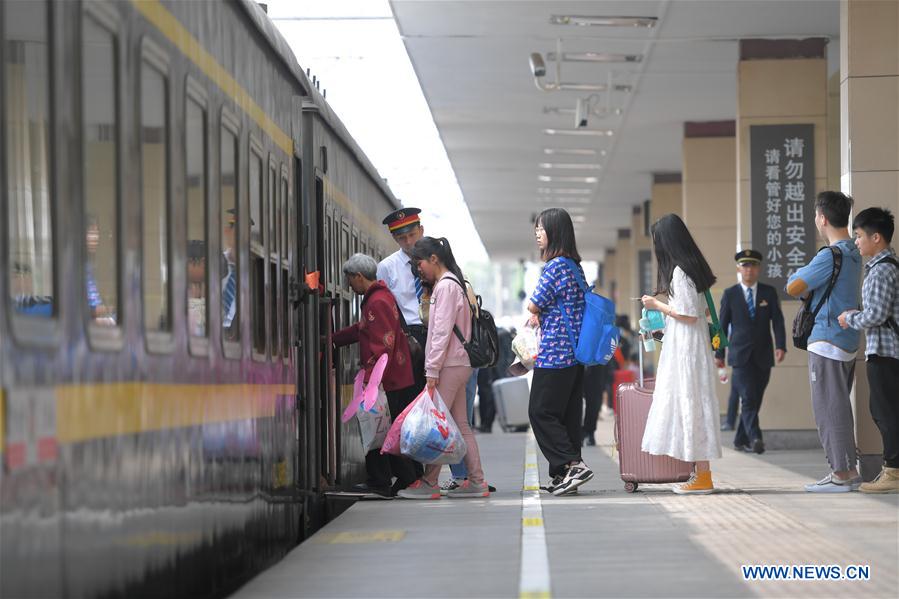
<point x="369" y="492"/>
<point x="491" y="488"/>
<point x="727" y="427"/>
<point x="743" y="448"/>
<point x="589" y="440"/>
<point x="758" y="446"/>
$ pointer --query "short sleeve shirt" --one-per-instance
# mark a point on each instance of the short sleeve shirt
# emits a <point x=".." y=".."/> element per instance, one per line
<point x="558" y="290"/>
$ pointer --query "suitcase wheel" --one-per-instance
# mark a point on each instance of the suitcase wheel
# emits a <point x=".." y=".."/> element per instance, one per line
<point x="630" y="487"/>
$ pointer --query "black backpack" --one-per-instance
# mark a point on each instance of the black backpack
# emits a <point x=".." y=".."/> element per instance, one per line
<point x="483" y="349"/>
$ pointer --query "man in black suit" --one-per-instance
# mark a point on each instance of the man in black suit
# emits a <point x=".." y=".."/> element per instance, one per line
<point x="749" y="310"/>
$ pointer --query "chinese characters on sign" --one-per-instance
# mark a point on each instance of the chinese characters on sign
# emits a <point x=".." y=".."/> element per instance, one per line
<point x="783" y="199"/>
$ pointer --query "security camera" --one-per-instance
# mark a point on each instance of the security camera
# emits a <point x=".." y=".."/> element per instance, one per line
<point x="538" y="67"/>
<point x="581" y="112"/>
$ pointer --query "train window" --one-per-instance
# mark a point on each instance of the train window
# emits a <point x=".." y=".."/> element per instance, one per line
<point x="274" y="214"/>
<point x="100" y="155"/>
<point x="286" y="211"/>
<point x="197" y="255"/>
<point x="27" y="115"/>
<point x="327" y="270"/>
<point x="344" y="254"/>
<point x="257" y="254"/>
<point x="336" y="264"/>
<point x="230" y="236"/>
<point x="154" y="179"/>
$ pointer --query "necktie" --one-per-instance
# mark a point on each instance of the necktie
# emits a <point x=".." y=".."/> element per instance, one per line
<point x="418" y="288"/>
<point x="229" y="293"/>
<point x="750" y="303"/>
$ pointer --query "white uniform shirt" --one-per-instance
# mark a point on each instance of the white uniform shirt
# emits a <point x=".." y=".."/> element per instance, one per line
<point x="396" y="271"/>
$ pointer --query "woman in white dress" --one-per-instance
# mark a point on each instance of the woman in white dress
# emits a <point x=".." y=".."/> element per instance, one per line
<point x="684" y="418"/>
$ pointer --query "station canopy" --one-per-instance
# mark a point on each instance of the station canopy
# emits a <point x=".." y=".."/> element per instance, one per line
<point x="638" y="70"/>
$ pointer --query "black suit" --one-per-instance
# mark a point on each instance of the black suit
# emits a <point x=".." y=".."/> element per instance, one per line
<point x="751" y="352"/>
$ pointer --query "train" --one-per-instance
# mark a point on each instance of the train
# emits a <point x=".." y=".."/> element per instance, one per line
<point x="178" y="200"/>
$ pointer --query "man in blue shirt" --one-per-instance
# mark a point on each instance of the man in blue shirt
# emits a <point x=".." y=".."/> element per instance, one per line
<point x="832" y="349"/>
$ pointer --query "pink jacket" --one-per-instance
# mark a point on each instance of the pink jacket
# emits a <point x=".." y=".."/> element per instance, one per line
<point x="449" y="307"/>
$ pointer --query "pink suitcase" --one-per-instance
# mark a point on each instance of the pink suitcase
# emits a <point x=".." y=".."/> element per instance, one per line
<point x="637" y="466"/>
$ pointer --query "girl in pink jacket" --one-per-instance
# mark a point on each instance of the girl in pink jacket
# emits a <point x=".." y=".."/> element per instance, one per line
<point x="447" y="366"/>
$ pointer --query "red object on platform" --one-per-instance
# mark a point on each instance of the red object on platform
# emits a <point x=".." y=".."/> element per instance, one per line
<point x="620" y="377"/>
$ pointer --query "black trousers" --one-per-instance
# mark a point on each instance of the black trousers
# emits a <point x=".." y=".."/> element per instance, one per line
<point x="486" y="404"/>
<point x="750" y="381"/>
<point x="883" y="381"/>
<point x="555" y="412"/>
<point x="733" y="407"/>
<point x="421" y="335"/>
<point x="381" y="468"/>
<point x="594" y="385"/>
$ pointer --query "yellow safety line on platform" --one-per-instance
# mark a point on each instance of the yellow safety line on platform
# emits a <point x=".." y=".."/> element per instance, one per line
<point x="160" y="17"/>
<point x="534" y="581"/>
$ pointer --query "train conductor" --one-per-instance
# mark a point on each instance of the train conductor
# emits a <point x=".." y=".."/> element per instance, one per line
<point x="402" y="278"/>
<point x="750" y="310"/>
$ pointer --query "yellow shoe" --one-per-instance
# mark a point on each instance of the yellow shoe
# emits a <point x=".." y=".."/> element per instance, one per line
<point x="886" y="482"/>
<point x="699" y="484"/>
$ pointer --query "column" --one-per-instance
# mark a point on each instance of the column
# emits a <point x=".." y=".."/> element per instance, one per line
<point x="869" y="149"/>
<point x="709" y="206"/>
<point x="624" y="266"/>
<point x="783" y="82"/>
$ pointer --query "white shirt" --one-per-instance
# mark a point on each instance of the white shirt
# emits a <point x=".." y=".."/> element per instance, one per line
<point x="396" y="271"/>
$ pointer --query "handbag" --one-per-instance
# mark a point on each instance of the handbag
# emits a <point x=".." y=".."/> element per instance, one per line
<point x="716" y="334"/>
<point x="804" y="321"/>
<point x="416" y="351"/>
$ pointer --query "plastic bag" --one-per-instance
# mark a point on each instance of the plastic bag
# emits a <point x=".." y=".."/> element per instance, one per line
<point x="429" y="434"/>
<point x="526" y="345"/>
<point x="374" y="423"/>
<point x="392" y="440"/>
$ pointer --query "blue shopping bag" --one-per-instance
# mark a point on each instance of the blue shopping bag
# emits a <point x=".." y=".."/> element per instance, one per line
<point x="598" y="338"/>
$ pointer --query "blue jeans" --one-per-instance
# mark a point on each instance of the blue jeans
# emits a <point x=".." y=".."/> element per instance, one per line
<point x="459" y="470"/>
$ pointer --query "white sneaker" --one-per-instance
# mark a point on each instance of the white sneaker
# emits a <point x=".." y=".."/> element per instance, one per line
<point x="575" y="476"/>
<point x="832" y="484"/>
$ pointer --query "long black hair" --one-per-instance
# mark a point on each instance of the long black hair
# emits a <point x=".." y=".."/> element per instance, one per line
<point x="674" y="246"/>
<point x="426" y="247"/>
<point x="559" y="229"/>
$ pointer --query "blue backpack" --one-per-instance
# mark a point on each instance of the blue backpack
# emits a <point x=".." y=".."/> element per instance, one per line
<point x="599" y="336"/>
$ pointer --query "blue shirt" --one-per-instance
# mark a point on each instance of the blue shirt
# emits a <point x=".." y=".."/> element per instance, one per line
<point x="816" y="275"/>
<point x="557" y="282"/>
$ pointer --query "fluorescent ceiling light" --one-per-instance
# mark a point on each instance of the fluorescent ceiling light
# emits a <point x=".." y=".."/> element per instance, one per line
<point x="549" y="200"/>
<point x="593" y="87"/>
<point x="570" y="151"/>
<point x="592" y="132"/>
<point x="566" y="179"/>
<point x="570" y="165"/>
<point x="601" y="21"/>
<point x="579" y="218"/>
<point x="596" y="57"/>
<point x="573" y="191"/>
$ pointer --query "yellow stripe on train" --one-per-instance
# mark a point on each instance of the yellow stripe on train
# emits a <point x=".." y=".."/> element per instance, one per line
<point x="85" y="412"/>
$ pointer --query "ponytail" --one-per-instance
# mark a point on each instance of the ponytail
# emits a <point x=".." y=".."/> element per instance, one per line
<point x="440" y="247"/>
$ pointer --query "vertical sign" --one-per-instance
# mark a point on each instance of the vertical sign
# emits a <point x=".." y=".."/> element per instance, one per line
<point x="782" y="171"/>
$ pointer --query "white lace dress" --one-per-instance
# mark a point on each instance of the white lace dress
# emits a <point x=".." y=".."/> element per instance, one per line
<point x="684" y="419"/>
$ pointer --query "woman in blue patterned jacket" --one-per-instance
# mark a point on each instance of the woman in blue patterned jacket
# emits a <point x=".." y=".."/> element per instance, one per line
<point x="557" y="388"/>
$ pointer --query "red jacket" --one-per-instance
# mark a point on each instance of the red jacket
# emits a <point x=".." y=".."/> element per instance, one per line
<point x="380" y="332"/>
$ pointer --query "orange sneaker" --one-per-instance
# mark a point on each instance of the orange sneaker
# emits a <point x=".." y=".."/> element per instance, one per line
<point x="699" y="484"/>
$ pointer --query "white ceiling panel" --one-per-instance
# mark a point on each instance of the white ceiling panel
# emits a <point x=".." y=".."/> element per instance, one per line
<point x="471" y="58"/>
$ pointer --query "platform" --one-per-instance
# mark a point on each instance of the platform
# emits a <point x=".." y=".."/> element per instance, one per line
<point x="603" y="542"/>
